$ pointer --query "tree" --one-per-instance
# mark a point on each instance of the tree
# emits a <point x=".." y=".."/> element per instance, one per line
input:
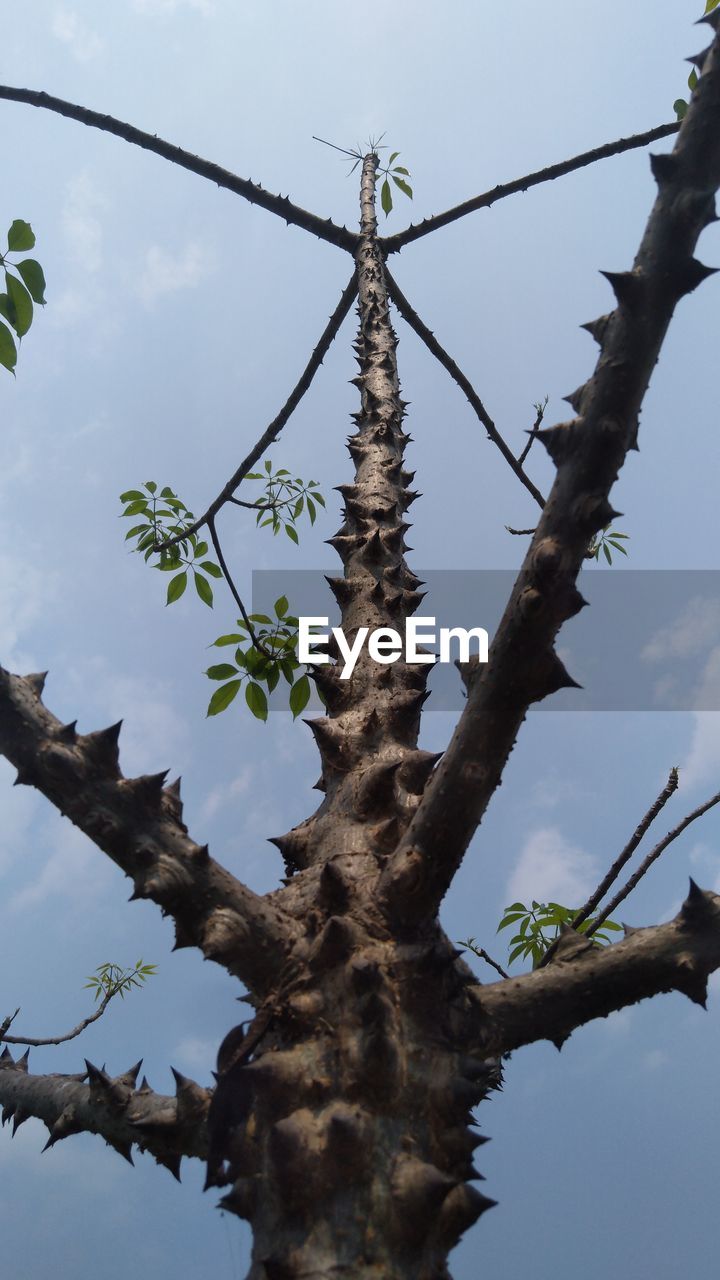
<point x="350" y="951"/>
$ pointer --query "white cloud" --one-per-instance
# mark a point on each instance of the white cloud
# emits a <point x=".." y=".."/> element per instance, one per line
<point x="550" y="869"/>
<point x="220" y="796"/>
<point x="75" y="870"/>
<point x="82" y="226"/>
<point x="164" y="272"/>
<point x="163" y="8"/>
<point x="24" y="596"/>
<point x="701" y="766"/>
<point x="195" y="1055"/>
<point x="654" y="1059"/>
<point x="692" y="632"/>
<point x="83" y="43"/>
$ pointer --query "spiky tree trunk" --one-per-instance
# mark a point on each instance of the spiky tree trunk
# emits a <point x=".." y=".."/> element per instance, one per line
<point x="345" y="1138"/>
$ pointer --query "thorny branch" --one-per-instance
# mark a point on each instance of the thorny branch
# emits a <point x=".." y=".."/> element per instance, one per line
<point x="412" y="318"/>
<point x="586" y="982"/>
<point x="325" y="229"/>
<point x="138" y="823"/>
<point x="392" y="244"/>
<point x="588" y="453"/>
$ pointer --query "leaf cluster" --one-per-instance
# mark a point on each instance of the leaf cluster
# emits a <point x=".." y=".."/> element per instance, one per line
<point x="397" y="174"/>
<point x="262" y="663"/>
<point x="538" y="926"/>
<point x="110" y="980"/>
<point x="608" y="538"/>
<point x="164" y="516"/>
<point x="24" y="285"/>
<point x="285" y="499"/>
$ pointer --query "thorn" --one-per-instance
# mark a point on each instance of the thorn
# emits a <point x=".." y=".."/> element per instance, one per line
<point x="172" y="792"/>
<point x="36" y="681"/>
<point x="67" y="733"/>
<point x="626" y="285"/>
<point x="712" y="19"/>
<point x="694" y="274"/>
<point x="148" y="788"/>
<point x="102" y="746"/>
<point x="19" y="1118"/>
<point x="664" y="167"/>
<point x="130" y="1076"/>
<point x="575" y="397"/>
<point x="597" y="328"/>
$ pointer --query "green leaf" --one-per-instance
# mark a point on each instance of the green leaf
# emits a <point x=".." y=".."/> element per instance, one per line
<point x="132" y="495"/>
<point x="203" y="588"/>
<point x="223" y="671"/>
<point x="292" y="534"/>
<point x="7" y="309"/>
<point x="225" y="640"/>
<point x="399" y="169"/>
<point x="176" y="587"/>
<point x="21" y="302"/>
<point x="298" y="509"/>
<point x="214" y="570"/>
<point x="20" y="237"/>
<point x="256" y="700"/>
<point x="151" y="486"/>
<point x="222" y="697"/>
<point x="711" y="4"/>
<point x="139" y="506"/>
<point x="386" y="197"/>
<point x="608" y="556"/>
<point x="34" y="277"/>
<point x="312" y="512"/>
<point x="692" y="79"/>
<point x="299" y="696"/>
<point x="262" y="618"/>
<point x="515" y="953"/>
<point x="394" y="156"/>
<point x="272" y="678"/>
<point x="680" y="107"/>
<point x="402" y="184"/>
<point x="281" y="606"/>
<point x="8" y="350"/>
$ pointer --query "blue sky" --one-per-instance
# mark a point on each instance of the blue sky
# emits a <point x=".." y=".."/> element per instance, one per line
<point x="178" y="319"/>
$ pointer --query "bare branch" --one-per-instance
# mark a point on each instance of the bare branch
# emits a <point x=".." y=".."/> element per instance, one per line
<point x="412" y="318"/>
<point x="323" y="228"/>
<point x="588" y="452"/>
<point x="597" y="896"/>
<point x="586" y="982"/>
<point x="653" y="855"/>
<point x="6" y="1024"/>
<point x="392" y="244"/>
<point x="271" y="432"/>
<point x="234" y="591"/>
<point x="69" y="1035"/>
<point x="138" y="823"/>
<point x="540" y="408"/>
<point x="125" y="1116"/>
<point x="585" y="911"/>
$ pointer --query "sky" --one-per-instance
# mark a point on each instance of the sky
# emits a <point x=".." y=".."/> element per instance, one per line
<point x="178" y="319"/>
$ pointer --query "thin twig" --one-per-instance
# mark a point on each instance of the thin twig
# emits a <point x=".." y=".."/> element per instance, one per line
<point x="651" y="857"/>
<point x="7" y="1023"/>
<point x="272" y="432"/>
<point x="324" y="228"/>
<point x="480" y="951"/>
<point x="597" y="896"/>
<point x="532" y="433"/>
<point x="392" y="244"/>
<point x="236" y="595"/>
<point x="35" y="1043"/>
<point x="412" y="318"/>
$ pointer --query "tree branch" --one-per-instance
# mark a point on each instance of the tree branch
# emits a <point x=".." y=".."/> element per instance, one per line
<point x="323" y="228"/>
<point x="586" y="982"/>
<point x="647" y="862"/>
<point x="69" y="1035"/>
<point x="412" y="318"/>
<point x="138" y="823"/>
<point x="597" y="896"/>
<point x="125" y="1116"/>
<point x="271" y="432"/>
<point x="392" y="244"/>
<point x="588" y="452"/>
